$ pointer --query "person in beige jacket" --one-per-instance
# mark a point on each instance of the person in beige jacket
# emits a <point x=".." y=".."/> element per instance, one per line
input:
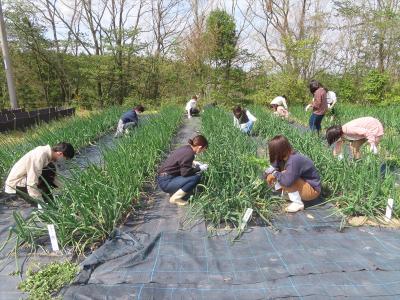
<point x="27" y="171"/>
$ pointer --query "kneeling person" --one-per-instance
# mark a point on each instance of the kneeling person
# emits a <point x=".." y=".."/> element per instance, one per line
<point x="179" y="174"/>
<point x="128" y="120"/>
<point x="35" y="167"/>
<point x="295" y="173"/>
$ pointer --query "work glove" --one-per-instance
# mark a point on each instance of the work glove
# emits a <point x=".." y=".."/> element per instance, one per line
<point x="340" y="156"/>
<point x="308" y="107"/>
<point x="196" y="163"/>
<point x="374" y="149"/>
<point x="203" y="167"/>
<point x="268" y="171"/>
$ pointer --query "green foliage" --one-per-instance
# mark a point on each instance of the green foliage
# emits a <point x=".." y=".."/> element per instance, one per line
<point x="45" y="283"/>
<point x="221" y="34"/>
<point x="232" y="182"/>
<point x="358" y="187"/>
<point x="93" y="202"/>
<point x="374" y="86"/>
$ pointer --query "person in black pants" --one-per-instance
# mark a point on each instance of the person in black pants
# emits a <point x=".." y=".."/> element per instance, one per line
<point x="180" y="173"/>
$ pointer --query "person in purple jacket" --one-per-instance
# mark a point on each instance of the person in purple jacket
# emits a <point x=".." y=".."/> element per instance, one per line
<point x="292" y="172"/>
<point x="180" y="173"/>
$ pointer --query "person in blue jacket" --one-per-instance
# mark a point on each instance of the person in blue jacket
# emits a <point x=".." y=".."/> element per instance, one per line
<point x="128" y="120"/>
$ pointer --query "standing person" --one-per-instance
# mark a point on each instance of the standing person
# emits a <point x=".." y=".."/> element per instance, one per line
<point x="280" y="111"/>
<point x="319" y="105"/>
<point x="129" y="120"/>
<point x="243" y="119"/>
<point x="25" y="174"/>
<point x="280" y="101"/>
<point x="331" y="99"/>
<point x="357" y="132"/>
<point x="294" y="173"/>
<point x="179" y="174"/>
<point x="191" y="107"/>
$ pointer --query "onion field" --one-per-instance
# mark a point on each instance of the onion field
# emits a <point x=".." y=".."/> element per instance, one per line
<point x="94" y="201"/>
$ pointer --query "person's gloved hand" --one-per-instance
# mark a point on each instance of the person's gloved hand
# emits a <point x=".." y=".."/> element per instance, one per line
<point x="269" y="170"/>
<point x="308" y="107"/>
<point x="196" y="163"/>
<point x="203" y="167"/>
<point x="374" y="149"/>
<point x="340" y="156"/>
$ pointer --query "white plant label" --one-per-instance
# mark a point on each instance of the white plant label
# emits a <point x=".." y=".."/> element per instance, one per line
<point x="246" y="217"/>
<point x="389" y="209"/>
<point x="53" y="237"/>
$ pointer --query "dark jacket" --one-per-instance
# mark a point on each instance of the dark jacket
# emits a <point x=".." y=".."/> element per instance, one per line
<point x="129" y="116"/>
<point x="179" y="163"/>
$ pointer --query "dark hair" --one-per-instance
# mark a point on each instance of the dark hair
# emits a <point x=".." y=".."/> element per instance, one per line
<point x="194" y="97"/>
<point x="314" y="85"/>
<point x="333" y="133"/>
<point x="284" y="96"/>
<point x="198" y="140"/>
<point x="66" y="148"/>
<point x="237" y="111"/>
<point x="278" y="148"/>
<point x="274" y="106"/>
<point x="139" y="108"/>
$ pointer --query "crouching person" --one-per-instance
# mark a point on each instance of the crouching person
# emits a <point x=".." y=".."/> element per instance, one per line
<point x="294" y="173"/>
<point x="35" y="172"/>
<point x="179" y="174"/>
<point x="243" y="119"/>
<point x="357" y="132"/>
<point x="128" y="120"/>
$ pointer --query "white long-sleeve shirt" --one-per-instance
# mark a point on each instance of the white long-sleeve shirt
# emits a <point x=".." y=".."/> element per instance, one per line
<point x="192" y="103"/>
<point x="331" y="98"/>
<point x="27" y="170"/>
<point x="280" y="101"/>
<point x="248" y="114"/>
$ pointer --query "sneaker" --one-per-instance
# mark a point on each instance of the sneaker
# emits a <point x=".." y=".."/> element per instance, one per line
<point x="294" y="207"/>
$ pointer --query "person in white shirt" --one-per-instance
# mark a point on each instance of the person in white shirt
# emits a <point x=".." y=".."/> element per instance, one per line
<point x="280" y="101"/>
<point x="191" y="107"/>
<point x="243" y="119"/>
<point x="25" y="175"/>
<point x="331" y="99"/>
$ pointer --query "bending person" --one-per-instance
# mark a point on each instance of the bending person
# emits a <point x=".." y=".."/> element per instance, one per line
<point x="280" y="101"/>
<point x="279" y="111"/>
<point x="357" y="132"/>
<point x="179" y="174"/>
<point x="319" y="105"/>
<point x="191" y="107"/>
<point x="27" y="174"/>
<point x="292" y="172"/>
<point x="243" y="119"/>
<point x="128" y="120"/>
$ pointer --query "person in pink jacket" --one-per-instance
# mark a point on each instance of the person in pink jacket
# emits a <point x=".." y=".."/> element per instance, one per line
<point x="357" y="132"/>
<point x="279" y="111"/>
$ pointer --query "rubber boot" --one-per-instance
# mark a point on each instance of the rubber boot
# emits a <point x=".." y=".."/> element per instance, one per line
<point x="177" y="198"/>
<point x="296" y="204"/>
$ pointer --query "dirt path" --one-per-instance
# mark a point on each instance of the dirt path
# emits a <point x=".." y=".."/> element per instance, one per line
<point x="151" y="257"/>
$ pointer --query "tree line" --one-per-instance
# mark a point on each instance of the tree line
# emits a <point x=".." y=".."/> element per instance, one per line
<point x="93" y="53"/>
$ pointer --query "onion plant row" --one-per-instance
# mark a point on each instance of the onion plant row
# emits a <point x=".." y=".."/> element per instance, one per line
<point x="231" y="183"/>
<point x="94" y="201"/>
<point x="357" y="187"/>
<point x="79" y="131"/>
<point x="389" y="116"/>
